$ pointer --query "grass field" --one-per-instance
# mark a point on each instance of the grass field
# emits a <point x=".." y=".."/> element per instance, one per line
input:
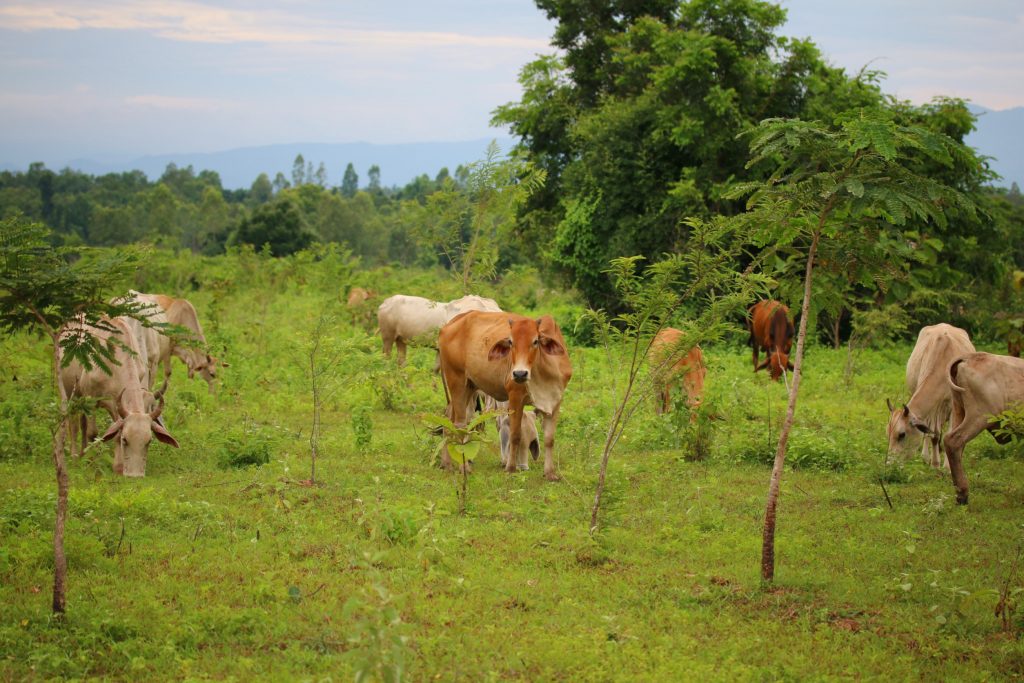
<point x="212" y="567"/>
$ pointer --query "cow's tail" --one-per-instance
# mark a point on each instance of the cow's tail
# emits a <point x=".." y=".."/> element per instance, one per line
<point x="953" y="369"/>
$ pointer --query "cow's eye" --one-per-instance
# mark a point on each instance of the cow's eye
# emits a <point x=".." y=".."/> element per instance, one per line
<point x="901" y="436"/>
<point x="536" y="342"/>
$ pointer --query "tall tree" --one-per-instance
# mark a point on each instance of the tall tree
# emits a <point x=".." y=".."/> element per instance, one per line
<point x="640" y="115"/>
<point x="280" y="225"/>
<point x="42" y="289"/>
<point x="845" y="184"/>
<point x="350" y="182"/>
<point x="298" y="171"/>
<point x="373" y="176"/>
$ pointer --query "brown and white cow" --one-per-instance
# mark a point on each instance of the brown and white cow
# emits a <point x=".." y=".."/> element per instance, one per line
<point x="403" y="319"/>
<point x="928" y="385"/>
<point x="159" y="348"/>
<point x="122" y="394"/>
<point x="771" y="330"/>
<point x="688" y="369"/>
<point x="510" y="358"/>
<point x="982" y="385"/>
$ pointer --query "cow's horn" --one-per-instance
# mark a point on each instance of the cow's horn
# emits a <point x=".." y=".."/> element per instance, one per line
<point x="159" y="408"/>
<point x="888" y="404"/>
<point x="159" y="395"/>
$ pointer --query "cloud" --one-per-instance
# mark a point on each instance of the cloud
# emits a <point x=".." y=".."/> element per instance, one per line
<point x="167" y="102"/>
<point x="197" y="22"/>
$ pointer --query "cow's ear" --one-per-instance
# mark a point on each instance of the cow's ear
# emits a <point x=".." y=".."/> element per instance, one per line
<point x="163" y="435"/>
<point x="499" y="350"/>
<point x="763" y="364"/>
<point x="113" y="430"/>
<point x="551" y="346"/>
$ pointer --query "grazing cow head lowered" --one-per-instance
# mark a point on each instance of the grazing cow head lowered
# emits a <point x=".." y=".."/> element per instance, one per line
<point x="205" y="365"/>
<point x="771" y="330"/>
<point x="904" y="432"/>
<point x="134" y="430"/>
<point x="526" y="339"/>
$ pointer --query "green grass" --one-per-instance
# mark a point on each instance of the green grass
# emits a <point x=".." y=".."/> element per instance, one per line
<point x="229" y="569"/>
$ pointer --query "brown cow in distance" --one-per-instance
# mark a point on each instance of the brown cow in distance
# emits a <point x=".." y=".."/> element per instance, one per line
<point x="771" y="330"/>
<point x="510" y="358"/>
<point x="982" y="385"/>
<point x="688" y="369"/>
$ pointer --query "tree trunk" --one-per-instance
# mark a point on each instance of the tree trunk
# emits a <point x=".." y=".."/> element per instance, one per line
<point x="60" y="563"/>
<point x="768" y="539"/>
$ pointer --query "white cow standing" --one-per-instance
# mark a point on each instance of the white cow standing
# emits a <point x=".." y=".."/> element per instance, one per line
<point x="404" y="319"/>
<point x="929" y="408"/>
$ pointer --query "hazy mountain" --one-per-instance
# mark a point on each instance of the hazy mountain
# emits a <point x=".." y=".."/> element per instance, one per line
<point x="1000" y="135"/>
<point x="238" y="168"/>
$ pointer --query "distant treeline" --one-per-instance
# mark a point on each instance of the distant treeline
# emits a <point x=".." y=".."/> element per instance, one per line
<point x="191" y="210"/>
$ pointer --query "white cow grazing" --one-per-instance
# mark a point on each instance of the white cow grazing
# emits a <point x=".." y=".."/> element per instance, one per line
<point x="159" y="348"/>
<point x="929" y="406"/>
<point x="403" y="319"/>
<point x="123" y="395"/>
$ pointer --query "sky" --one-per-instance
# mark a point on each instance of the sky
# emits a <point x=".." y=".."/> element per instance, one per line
<point x="125" y="78"/>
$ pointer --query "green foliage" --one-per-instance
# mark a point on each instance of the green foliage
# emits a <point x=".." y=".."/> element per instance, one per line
<point x="636" y="125"/>
<point x="466" y="224"/>
<point x="279" y="225"/>
<point x="245" y="446"/>
<point x="362" y="426"/>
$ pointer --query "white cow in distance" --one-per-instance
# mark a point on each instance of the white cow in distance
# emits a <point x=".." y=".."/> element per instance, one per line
<point x="403" y="319"/>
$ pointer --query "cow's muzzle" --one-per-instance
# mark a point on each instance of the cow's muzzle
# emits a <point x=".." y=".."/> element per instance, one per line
<point x="520" y="376"/>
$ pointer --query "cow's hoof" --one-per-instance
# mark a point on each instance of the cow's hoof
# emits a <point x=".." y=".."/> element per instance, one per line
<point x="961" y="498"/>
<point x="523" y="468"/>
<point x="552" y="476"/>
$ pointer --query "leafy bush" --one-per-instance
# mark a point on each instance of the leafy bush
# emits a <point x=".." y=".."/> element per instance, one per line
<point x="245" y="448"/>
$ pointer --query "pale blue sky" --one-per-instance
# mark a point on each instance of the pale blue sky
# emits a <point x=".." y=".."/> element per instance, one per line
<point x="127" y="78"/>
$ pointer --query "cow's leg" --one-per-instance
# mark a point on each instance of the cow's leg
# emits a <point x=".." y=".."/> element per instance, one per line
<point x="755" y="357"/>
<point x="387" y="340"/>
<point x="503" y="438"/>
<point x="664" y="400"/>
<point x="456" y="410"/>
<point x="550" y="422"/>
<point x="400" y="345"/>
<point x="73" y="426"/>
<point x="954" y="443"/>
<point x="515" y="428"/>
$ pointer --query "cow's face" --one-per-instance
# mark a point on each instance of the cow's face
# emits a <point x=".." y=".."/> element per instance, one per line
<point x="776" y="362"/>
<point x="134" y="432"/>
<point x="527" y="338"/>
<point x="903" y="437"/>
<point x="206" y="366"/>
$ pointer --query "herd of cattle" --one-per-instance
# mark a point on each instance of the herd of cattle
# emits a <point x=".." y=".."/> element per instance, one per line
<point x="494" y="360"/>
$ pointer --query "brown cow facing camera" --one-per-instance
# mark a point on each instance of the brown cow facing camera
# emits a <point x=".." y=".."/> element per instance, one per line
<point x="510" y="358"/>
<point x="771" y="330"/>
